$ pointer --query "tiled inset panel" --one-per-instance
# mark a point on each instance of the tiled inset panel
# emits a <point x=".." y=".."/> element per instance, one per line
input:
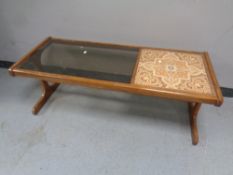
<point x="173" y="70"/>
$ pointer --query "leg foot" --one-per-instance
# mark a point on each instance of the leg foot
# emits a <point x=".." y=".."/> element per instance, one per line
<point x="193" y="110"/>
<point x="47" y="91"/>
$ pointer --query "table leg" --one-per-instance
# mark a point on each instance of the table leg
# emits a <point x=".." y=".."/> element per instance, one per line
<point x="47" y="91"/>
<point x="193" y="111"/>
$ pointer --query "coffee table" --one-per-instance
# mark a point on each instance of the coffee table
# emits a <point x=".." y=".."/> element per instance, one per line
<point x="167" y="73"/>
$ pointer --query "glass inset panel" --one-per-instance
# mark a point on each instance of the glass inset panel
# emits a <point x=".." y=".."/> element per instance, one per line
<point x="90" y="61"/>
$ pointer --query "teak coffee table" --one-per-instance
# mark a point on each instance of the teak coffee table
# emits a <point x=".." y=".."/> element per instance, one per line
<point x="172" y="74"/>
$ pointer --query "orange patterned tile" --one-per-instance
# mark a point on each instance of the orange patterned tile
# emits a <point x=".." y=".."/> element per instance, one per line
<point x="172" y="70"/>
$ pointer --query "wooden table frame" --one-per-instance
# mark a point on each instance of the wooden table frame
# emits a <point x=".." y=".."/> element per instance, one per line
<point x="194" y="100"/>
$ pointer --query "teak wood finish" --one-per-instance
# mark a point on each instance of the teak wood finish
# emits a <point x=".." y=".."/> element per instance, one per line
<point x="193" y="111"/>
<point x="194" y="100"/>
<point x="47" y="91"/>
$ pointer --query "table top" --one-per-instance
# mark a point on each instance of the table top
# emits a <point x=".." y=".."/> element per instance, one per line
<point x="181" y="75"/>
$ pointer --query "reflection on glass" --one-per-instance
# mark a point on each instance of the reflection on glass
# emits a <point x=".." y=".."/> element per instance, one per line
<point x="98" y="62"/>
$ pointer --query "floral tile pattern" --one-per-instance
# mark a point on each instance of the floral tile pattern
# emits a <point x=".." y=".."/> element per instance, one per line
<point x="172" y="70"/>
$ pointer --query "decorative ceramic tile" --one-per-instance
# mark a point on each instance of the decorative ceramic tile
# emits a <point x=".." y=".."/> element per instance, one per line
<point x="172" y="70"/>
